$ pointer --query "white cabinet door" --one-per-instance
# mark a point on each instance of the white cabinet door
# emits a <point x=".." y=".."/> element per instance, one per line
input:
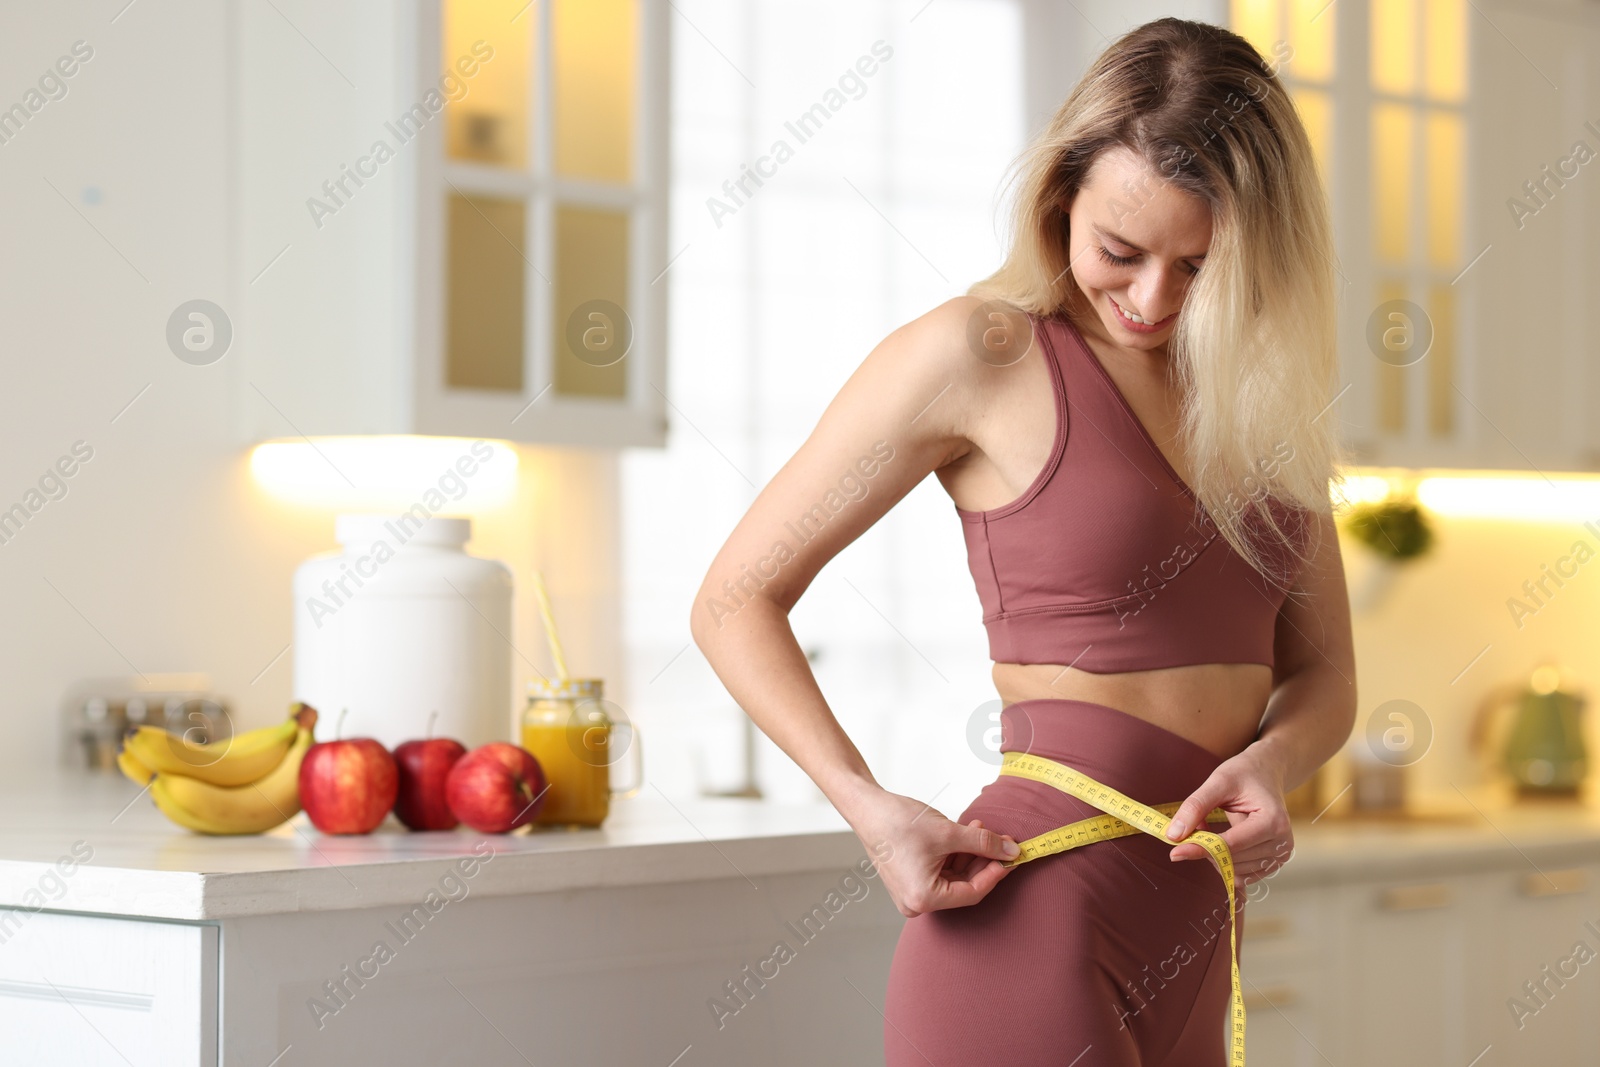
<point x="1284" y="1016"/>
<point x="1532" y="204"/>
<point x="1408" y="955"/>
<point x="1540" y="1001"/>
<point x="81" y="991"/>
<point x="1289" y="1005"/>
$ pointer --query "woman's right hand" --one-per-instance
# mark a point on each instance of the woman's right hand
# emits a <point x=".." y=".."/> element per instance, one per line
<point x="927" y="862"/>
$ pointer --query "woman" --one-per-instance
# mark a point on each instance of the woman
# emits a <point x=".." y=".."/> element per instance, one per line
<point x="1128" y="417"/>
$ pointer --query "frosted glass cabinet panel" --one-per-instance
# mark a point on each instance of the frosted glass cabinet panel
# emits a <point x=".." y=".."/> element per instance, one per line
<point x="595" y="65"/>
<point x="485" y="289"/>
<point x="592" y="331"/>
<point x="492" y="120"/>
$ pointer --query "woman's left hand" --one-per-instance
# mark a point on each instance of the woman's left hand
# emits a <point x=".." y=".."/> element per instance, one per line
<point x="1249" y="787"/>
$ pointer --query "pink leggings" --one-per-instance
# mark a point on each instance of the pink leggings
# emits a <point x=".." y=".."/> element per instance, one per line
<point x="1110" y="955"/>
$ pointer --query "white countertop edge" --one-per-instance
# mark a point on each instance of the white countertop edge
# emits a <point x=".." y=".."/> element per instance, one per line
<point x="209" y="896"/>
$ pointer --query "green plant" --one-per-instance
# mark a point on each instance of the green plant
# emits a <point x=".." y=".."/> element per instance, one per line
<point x="1397" y="529"/>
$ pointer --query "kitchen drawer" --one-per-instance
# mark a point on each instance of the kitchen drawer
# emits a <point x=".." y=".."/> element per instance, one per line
<point x="1412" y="951"/>
<point x="1284" y="926"/>
<point x="85" y="991"/>
<point x="1285" y="1010"/>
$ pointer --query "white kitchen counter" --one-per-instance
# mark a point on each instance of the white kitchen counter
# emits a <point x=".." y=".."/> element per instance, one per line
<point x="142" y="865"/>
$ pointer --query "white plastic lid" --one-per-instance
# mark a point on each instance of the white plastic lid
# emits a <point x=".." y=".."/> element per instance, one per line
<point x="409" y="529"/>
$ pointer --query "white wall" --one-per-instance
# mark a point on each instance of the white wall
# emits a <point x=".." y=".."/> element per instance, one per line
<point x="1444" y="637"/>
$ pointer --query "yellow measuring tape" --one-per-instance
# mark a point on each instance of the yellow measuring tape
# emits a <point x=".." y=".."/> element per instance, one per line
<point x="1125" y="816"/>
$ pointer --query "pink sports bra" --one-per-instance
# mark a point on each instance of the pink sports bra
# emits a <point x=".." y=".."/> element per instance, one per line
<point x="1106" y="562"/>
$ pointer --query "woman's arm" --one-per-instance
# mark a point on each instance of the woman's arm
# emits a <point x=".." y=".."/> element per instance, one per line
<point x="902" y="414"/>
<point x="1313" y="705"/>
<point x="1308" y="718"/>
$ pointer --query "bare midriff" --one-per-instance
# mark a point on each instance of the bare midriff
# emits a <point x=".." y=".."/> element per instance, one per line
<point x="1218" y="706"/>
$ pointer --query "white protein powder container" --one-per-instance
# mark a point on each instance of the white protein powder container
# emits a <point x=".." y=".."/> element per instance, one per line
<point x="400" y="623"/>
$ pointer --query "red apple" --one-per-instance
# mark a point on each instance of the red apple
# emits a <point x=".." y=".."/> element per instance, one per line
<point x="496" y="788"/>
<point x="424" y="766"/>
<point x="347" y="787"/>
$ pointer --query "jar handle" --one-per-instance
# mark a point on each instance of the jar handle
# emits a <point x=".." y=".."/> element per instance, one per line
<point x="636" y="758"/>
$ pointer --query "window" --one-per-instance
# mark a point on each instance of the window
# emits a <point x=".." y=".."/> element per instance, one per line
<point x="884" y="206"/>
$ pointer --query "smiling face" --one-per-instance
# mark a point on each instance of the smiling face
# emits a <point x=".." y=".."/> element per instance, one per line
<point x="1136" y="243"/>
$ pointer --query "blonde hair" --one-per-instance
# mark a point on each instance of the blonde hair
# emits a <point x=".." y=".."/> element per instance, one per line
<point x="1254" y="352"/>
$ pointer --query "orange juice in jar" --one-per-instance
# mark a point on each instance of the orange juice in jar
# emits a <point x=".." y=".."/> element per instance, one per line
<point x="576" y="739"/>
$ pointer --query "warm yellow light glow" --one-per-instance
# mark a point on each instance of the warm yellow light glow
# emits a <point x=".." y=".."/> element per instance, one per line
<point x="1394" y="46"/>
<point x="448" y="475"/>
<point x="1392" y="166"/>
<point x="495" y="40"/>
<point x="1357" y="488"/>
<point x="1257" y="22"/>
<point x="1316" y="114"/>
<point x="594" y="50"/>
<point x="1445" y="157"/>
<point x="1311" y="34"/>
<point x="1482" y="494"/>
<point x="1514" y="497"/>
<point x="1546" y="679"/>
<point x="1446" y="55"/>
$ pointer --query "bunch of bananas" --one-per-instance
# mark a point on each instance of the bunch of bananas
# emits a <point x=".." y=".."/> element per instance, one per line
<point x="243" y="786"/>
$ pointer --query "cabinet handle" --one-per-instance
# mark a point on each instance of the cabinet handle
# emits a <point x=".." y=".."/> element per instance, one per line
<point x="1555" y="883"/>
<point x="1270" y="996"/>
<point x="1266" y="926"/>
<point x="1414" y="897"/>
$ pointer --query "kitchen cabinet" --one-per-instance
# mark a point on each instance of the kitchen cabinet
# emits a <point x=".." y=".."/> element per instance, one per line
<point x="1467" y="315"/>
<point x="1542" y="916"/>
<point x="452" y="219"/>
<point x="85" y="990"/>
<point x="1534" y="210"/>
<point x="1409" y="951"/>
<point x="1282" y="963"/>
<point x="1427" y="969"/>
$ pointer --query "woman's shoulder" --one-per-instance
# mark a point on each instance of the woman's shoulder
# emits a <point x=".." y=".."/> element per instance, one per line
<point x="938" y="369"/>
<point x="942" y="330"/>
<point x="966" y="334"/>
<point x="923" y="351"/>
